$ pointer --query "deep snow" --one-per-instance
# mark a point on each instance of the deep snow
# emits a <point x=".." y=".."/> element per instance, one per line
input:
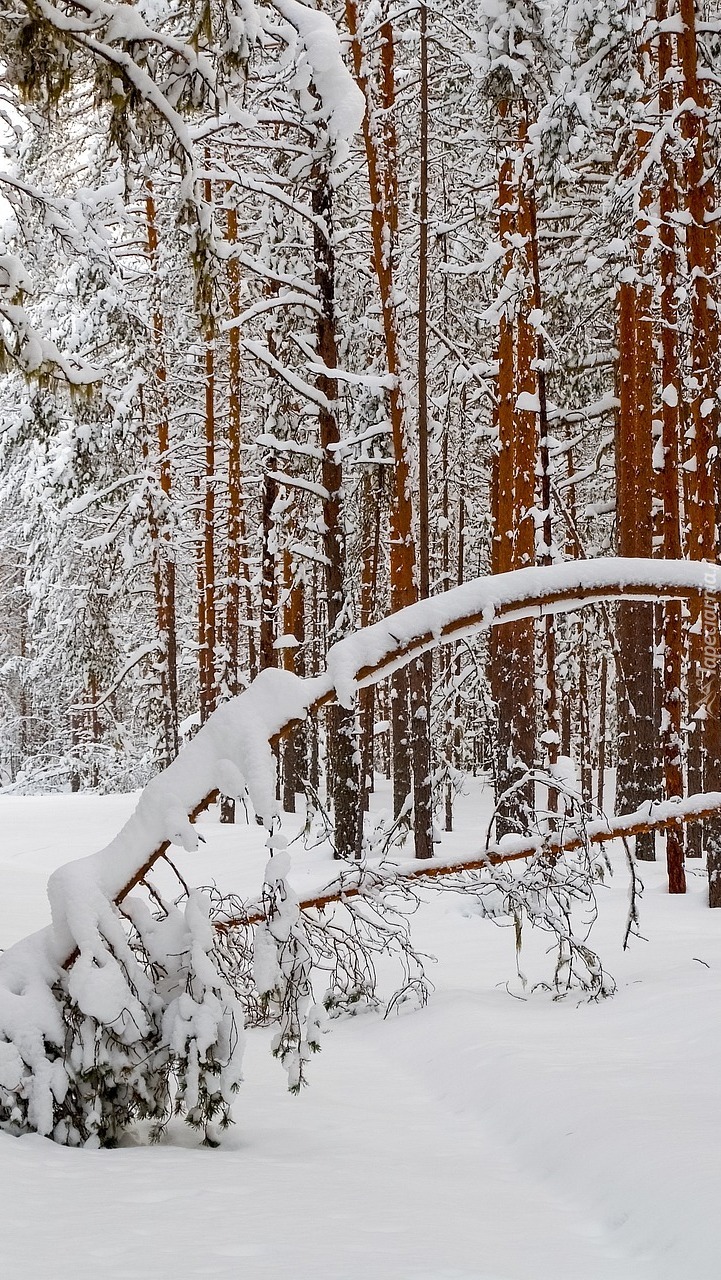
<point x="487" y="1137"/>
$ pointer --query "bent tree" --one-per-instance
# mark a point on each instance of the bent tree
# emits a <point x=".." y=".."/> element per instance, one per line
<point x="126" y="1008"/>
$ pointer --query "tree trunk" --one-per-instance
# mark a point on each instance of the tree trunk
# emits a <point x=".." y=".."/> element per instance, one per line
<point x="635" y="775"/>
<point x="161" y="552"/>
<point x="209" y="689"/>
<point x="293" y="615"/>
<point x="345" y="777"/>
<point x="421" y="672"/>
<point x="370" y="549"/>
<point x="670" y="395"/>
<point x="703" y="631"/>
<point x="512" y="660"/>
<point x="381" y="162"/>
<point x="267" y="653"/>
<point x="238" y="579"/>
<point x="551" y="716"/>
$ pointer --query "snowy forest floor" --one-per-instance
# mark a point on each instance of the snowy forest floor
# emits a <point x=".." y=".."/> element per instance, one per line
<point x="485" y="1137"/>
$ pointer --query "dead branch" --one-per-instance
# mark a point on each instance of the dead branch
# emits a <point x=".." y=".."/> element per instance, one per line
<point x="693" y="809"/>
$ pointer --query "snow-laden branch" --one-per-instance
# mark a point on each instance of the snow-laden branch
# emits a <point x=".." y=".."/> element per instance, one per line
<point x="33" y="354"/>
<point x="343" y="102"/>
<point x="80" y="967"/>
<point x="262" y="353"/>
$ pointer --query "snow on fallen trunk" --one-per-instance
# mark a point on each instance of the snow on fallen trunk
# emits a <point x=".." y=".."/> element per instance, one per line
<point x="505" y="597"/>
<point x="93" y="1016"/>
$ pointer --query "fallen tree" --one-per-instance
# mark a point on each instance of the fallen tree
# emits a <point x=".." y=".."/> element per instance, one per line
<point x="653" y="816"/>
<point x="110" y="1010"/>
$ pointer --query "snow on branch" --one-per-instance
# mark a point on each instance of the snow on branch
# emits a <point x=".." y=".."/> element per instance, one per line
<point x="343" y="102"/>
<point x="107" y="1008"/>
<point x="262" y="353"/>
<point x="32" y="353"/>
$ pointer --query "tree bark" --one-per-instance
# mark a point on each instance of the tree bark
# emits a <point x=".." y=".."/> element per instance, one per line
<point x="345" y="775"/>
<point x="421" y="673"/>
<point x="238" y="579"/>
<point x="670" y="396"/>
<point x="512" y="659"/>
<point x="161" y="551"/>
<point x="382" y="168"/>
<point x="703" y="630"/>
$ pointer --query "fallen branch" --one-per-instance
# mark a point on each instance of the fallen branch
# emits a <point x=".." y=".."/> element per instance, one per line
<point x="668" y="813"/>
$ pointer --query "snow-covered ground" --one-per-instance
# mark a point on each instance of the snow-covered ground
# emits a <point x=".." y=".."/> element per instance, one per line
<point x="490" y="1136"/>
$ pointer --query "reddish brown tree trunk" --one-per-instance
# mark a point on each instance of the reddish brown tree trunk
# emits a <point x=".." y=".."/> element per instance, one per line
<point x="670" y="396"/>
<point x="636" y="774"/>
<point x="512" y="662"/>
<point x="381" y="162"/>
<point x="703" y="421"/>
